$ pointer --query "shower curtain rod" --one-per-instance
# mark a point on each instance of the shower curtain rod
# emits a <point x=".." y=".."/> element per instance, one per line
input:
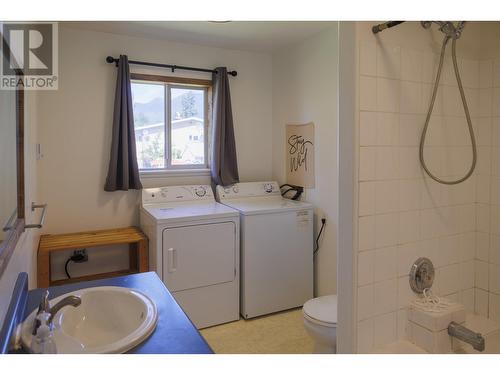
<point x="111" y="60"/>
<point x="386" y="25"/>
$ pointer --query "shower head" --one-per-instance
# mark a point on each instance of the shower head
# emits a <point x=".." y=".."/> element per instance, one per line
<point x="450" y="29"/>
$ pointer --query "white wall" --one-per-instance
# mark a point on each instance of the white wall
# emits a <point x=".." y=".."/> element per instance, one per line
<point x="402" y="214"/>
<point x="305" y="89"/>
<point x="75" y="125"/>
<point x="23" y="258"/>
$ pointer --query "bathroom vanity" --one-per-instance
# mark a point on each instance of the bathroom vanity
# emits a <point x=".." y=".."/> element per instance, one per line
<point x="174" y="332"/>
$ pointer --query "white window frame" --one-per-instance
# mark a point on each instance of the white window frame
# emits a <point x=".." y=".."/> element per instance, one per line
<point x="170" y="169"/>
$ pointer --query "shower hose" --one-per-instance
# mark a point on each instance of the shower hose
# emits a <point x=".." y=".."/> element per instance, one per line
<point x="467" y="115"/>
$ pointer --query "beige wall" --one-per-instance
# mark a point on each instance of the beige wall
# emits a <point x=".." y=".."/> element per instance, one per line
<point x="304" y="90"/>
<point x="23" y="259"/>
<point x="75" y="123"/>
<point x="75" y="126"/>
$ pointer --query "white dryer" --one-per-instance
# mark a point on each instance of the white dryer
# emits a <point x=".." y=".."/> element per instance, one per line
<point x="194" y="248"/>
<point x="276" y="247"/>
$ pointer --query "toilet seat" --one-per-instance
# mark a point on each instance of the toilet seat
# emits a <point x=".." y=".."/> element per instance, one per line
<point x="322" y="310"/>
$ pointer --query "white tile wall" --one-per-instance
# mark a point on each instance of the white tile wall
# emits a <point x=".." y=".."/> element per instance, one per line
<point x="384" y="329"/>
<point x="368" y="93"/>
<point x="388" y="61"/>
<point x="404" y="215"/>
<point x="365" y="267"/>
<point x="487" y="254"/>
<point x="486" y="73"/>
<point x="481" y="302"/>
<point x="496" y="73"/>
<point x="365" y="336"/>
<point x="388" y="95"/>
<point x="385" y="263"/>
<point x="386" y="196"/>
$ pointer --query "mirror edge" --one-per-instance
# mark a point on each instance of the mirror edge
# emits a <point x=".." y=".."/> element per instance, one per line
<point x="9" y="244"/>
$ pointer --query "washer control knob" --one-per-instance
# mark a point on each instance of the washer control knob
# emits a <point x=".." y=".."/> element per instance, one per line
<point x="236" y="189"/>
<point x="268" y="188"/>
<point x="200" y="191"/>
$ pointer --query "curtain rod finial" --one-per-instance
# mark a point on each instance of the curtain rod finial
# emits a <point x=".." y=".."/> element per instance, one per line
<point x="111" y="59"/>
<point x="234" y="73"/>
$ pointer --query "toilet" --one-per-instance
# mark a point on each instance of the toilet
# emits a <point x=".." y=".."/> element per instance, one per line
<point x="320" y="321"/>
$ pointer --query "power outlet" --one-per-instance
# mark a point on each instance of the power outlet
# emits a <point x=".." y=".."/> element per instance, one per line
<point x="80" y="256"/>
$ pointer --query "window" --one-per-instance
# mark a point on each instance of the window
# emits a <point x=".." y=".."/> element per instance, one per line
<point x="171" y="122"/>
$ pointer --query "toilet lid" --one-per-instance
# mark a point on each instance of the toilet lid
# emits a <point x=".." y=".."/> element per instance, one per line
<point x="323" y="309"/>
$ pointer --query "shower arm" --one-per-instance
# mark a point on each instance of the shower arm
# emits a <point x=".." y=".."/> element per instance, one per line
<point x="386" y="25"/>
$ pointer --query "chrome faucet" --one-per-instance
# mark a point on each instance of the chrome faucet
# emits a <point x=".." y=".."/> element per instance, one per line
<point x="45" y="307"/>
<point x="464" y="334"/>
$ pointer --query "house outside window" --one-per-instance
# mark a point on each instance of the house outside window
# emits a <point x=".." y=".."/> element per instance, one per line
<point x="171" y="125"/>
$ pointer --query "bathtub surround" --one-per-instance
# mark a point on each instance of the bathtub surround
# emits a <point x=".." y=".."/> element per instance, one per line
<point x="403" y="214"/>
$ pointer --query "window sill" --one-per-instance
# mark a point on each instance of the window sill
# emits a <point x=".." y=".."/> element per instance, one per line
<point x="174" y="173"/>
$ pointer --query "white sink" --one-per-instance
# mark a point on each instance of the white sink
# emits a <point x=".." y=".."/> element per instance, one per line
<point x="109" y="320"/>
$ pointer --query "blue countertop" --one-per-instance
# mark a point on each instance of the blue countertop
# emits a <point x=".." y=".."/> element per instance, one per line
<point x="174" y="333"/>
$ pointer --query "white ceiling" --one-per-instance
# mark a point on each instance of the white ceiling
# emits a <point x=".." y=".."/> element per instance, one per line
<point x="242" y="35"/>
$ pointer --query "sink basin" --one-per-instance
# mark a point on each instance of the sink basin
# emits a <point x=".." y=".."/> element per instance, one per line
<point x="109" y="320"/>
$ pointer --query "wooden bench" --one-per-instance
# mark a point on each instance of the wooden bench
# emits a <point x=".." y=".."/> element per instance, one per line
<point x="138" y="252"/>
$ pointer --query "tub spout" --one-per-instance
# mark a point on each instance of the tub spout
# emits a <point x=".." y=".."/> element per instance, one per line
<point x="464" y="334"/>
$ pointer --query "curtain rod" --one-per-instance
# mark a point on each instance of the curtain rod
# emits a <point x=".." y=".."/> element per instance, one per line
<point x="111" y="60"/>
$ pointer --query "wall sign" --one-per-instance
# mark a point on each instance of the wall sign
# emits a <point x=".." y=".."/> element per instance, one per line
<point x="300" y="155"/>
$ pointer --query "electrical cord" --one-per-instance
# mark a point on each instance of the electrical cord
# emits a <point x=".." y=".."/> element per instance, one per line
<point x="323" y="222"/>
<point x="66" y="267"/>
<point x="77" y="258"/>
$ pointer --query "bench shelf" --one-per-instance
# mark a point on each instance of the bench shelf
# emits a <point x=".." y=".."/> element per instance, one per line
<point x="134" y="237"/>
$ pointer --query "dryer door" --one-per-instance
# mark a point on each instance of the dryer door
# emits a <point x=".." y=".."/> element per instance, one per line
<point x="199" y="255"/>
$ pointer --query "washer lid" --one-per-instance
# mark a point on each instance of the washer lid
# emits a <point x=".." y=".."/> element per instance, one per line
<point x="323" y="309"/>
<point x="265" y="205"/>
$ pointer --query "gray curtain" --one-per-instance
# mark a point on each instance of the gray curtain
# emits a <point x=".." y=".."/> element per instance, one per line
<point x="224" y="168"/>
<point x="123" y="171"/>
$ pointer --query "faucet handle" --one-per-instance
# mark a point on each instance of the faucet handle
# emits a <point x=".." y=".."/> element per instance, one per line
<point x="44" y="303"/>
<point x="43" y="307"/>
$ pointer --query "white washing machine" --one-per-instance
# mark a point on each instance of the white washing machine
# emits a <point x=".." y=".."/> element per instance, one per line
<point x="194" y="248"/>
<point x="276" y="247"/>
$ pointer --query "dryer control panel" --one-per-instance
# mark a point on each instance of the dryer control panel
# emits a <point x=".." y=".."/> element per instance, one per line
<point x="177" y="194"/>
<point x="248" y="189"/>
